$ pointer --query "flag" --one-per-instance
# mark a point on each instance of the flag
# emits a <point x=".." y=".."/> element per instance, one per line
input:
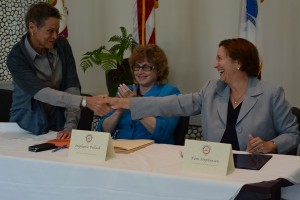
<point x="60" y="5"/>
<point x="249" y="22"/>
<point x="144" y="21"/>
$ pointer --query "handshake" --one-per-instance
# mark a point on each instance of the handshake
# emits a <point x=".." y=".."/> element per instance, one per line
<point x="102" y="104"/>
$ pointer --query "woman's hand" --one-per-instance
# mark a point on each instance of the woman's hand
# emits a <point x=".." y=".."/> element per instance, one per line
<point x="257" y="145"/>
<point x="125" y="92"/>
<point x="63" y="134"/>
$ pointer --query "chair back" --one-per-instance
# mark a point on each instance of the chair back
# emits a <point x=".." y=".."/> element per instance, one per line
<point x="296" y="112"/>
<point x="5" y="104"/>
<point x="86" y="118"/>
<point x="181" y="130"/>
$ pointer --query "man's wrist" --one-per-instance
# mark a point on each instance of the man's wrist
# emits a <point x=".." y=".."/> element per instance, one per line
<point x="83" y="102"/>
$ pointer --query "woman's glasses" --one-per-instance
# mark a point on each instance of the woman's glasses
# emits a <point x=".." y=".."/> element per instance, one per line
<point x="145" y="67"/>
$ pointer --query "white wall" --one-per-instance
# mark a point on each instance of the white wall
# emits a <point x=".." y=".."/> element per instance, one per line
<point x="189" y="31"/>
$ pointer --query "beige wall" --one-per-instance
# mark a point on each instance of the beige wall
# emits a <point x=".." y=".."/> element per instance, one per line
<point x="189" y="32"/>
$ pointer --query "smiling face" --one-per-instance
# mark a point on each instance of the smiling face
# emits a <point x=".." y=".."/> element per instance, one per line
<point x="44" y="37"/>
<point x="145" y="78"/>
<point x="227" y="67"/>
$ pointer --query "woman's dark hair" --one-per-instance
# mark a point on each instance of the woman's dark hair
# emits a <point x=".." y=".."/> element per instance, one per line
<point x="154" y="55"/>
<point x="245" y="52"/>
<point x="39" y="13"/>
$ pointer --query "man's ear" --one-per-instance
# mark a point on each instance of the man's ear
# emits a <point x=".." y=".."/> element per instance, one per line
<point x="31" y="27"/>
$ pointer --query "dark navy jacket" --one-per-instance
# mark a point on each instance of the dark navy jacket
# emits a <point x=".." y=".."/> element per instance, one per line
<point x="26" y="111"/>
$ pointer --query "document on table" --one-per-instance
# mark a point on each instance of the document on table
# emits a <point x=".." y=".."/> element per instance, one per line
<point x="128" y="146"/>
<point x="120" y="146"/>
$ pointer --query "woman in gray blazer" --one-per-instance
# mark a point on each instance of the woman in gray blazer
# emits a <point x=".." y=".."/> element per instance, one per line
<point x="239" y="109"/>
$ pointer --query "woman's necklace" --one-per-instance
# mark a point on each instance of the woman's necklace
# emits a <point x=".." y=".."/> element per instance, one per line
<point x="236" y="101"/>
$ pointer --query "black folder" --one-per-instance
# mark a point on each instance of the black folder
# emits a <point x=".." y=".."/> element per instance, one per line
<point x="250" y="161"/>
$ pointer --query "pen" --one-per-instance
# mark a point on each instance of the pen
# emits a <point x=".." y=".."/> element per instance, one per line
<point x="59" y="148"/>
<point x="181" y="154"/>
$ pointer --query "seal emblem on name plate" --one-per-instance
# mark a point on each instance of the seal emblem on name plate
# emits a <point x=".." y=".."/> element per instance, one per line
<point x="206" y="149"/>
<point x="89" y="138"/>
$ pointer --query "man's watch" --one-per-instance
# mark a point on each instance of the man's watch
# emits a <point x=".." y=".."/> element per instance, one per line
<point x="83" y="102"/>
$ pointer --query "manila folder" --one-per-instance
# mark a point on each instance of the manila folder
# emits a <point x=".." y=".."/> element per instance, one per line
<point x="128" y="146"/>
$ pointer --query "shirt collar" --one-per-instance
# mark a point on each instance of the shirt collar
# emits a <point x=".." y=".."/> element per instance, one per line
<point x="53" y="51"/>
<point x="32" y="53"/>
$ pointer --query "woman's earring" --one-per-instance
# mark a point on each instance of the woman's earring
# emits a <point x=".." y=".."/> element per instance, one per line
<point x="238" y="68"/>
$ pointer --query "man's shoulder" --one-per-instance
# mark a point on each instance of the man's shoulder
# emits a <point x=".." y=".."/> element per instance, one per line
<point x="16" y="51"/>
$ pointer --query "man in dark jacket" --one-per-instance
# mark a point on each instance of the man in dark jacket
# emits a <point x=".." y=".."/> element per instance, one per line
<point x="46" y="85"/>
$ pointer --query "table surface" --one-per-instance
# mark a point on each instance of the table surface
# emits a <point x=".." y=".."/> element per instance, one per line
<point x="153" y="172"/>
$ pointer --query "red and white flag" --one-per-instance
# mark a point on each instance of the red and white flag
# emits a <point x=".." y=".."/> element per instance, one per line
<point x="144" y="21"/>
<point x="60" y="5"/>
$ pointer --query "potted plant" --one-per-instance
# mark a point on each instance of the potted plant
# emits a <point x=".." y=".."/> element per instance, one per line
<point x="112" y="60"/>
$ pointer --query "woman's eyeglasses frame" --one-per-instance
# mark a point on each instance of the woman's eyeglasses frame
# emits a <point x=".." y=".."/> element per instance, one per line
<point x="145" y="67"/>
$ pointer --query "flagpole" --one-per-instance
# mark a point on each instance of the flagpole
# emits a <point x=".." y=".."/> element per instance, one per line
<point x="143" y="22"/>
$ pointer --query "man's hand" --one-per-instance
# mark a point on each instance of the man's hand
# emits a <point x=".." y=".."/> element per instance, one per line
<point x="98" y="105"/>
<point x="63" y="134"/>
<point x="118" y="103"/>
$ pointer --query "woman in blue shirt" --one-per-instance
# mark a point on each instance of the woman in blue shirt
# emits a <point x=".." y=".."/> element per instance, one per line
<point x="149" y="66"/>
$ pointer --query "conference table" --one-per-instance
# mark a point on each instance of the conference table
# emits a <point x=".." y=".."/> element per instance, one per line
<point x="154" y="172"/>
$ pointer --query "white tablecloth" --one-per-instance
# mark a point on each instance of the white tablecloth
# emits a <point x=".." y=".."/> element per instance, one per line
<point x="150" y="173"/>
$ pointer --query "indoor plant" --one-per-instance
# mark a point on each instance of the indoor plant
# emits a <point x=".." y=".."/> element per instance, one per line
<point x="112" y="60"/>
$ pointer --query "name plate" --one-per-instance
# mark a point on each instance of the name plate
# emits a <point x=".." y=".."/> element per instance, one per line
<point x="208" y="157"/>
<point x="91" y="145"/>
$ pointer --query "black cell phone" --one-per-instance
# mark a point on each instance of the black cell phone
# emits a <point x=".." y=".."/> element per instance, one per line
<point x="42" y="147"/>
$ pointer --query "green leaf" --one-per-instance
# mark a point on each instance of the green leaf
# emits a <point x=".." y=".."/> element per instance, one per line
<point x="109" y="58"/>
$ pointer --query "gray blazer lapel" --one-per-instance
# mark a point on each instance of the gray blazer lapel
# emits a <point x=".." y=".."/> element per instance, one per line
<point x="223" y="92"/>
<point x="252" y="95"/>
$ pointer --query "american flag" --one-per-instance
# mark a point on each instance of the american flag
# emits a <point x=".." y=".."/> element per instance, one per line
<point x="144" y="21"/>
